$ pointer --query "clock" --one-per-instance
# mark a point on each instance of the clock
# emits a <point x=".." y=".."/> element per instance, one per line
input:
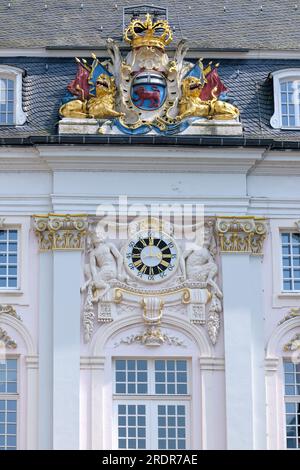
<point x="152" y="256"/>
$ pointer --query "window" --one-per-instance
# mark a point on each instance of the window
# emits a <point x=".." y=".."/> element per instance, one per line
<point x="8" y="404"/>
<point x="152" y="404"/>
<point x="11" y="111"/>
<point x="7" y="101"/>
<point x="292" y="404"/>
<point x="291" y="261"/>
<point x="286" y="99"/>
<point x="8" y="259"/>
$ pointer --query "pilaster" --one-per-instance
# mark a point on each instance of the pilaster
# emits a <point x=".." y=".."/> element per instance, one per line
<point x="241" y="242"/>
<point x="61" y="239"/>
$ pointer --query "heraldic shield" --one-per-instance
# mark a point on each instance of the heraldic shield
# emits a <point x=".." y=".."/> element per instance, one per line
<point x="149" y="90"/>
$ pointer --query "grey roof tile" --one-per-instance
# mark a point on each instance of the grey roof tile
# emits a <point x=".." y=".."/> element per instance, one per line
<point x="242" y="25"/>
<point x="248" y="82"/>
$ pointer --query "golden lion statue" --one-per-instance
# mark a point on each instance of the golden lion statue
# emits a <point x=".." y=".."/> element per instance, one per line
<point x="101" y="106"/>
<point x="74" y="109"/>
<point x="191" y="105"/>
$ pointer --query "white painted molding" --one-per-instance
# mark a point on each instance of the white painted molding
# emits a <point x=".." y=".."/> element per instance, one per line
<point x="191" y="54"/>
<point x="212" y="363"/>
<point x="278" y="76"/>
<point x="249" y="161"/>
<point x="288" y="326"/>
<point x="15" y="74"/>
<point x="21" y="329"/>
<point x="149" y="158"/>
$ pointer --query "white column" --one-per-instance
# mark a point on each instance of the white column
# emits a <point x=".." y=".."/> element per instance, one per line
<point x="32" y="409"/>
<point x="241" y="242"/>
<point x="62" y="238"/>
<point x="45" y="351"/>
<point x="66" y="348"/>
<point x="97" y="403"/>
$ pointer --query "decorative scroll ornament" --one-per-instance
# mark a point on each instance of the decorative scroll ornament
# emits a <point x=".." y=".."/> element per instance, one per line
<point x="6" y="340"/>
<point x="241" y="234"/>
<point x="9" y="310"/>
<point x="146" y="91"/>
<point x="293" y="313"/>
<point x="293" y="345"/>
<point x="60" y="231"/>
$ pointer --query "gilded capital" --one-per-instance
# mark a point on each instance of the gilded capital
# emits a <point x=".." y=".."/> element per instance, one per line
<point x="60" y="231"/>
<point x="241" y="234"/>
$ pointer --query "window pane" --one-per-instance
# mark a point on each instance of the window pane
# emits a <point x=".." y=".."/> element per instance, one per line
<point x="8" y="428"/>
<point x="171" y="377"/>
<point x="8" y="259"/>
<point x="171" y="431"/>
<point x="6" y="101"/>
<point x="291" y="261"/>
<point x="131" y="377"/>
<point x="133" y="435"/>
<point x="292" y="409"/>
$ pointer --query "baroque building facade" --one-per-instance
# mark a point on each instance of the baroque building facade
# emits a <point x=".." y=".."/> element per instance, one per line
<point x="149" y="229"/>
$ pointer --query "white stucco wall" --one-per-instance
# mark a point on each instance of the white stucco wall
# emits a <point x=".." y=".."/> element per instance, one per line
<point x="71" y="179"/>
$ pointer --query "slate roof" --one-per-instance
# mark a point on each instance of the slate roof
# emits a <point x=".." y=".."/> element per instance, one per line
<point x="45" y="81"/>
<point x="216" y="24"/>
<point x="213" y="24"/>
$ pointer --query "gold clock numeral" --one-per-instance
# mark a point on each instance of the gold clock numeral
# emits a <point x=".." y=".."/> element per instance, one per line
<point x="138" y="263"/>
<point x="143" y="241"/>
<point x="143" y="270"/>
<point x="165" y="248"/>
<point x="151" y="271"/>
<point x="136" y="256"/>
<point x="167" y="256"/>
<point x="164" y="263"/>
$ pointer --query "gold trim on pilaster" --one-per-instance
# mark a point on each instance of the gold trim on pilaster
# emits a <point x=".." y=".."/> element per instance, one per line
<point x="244" y="234"/>
<point x="60" y="231"/>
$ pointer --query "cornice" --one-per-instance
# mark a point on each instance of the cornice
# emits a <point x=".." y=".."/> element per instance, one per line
<point x="146" y="158"/>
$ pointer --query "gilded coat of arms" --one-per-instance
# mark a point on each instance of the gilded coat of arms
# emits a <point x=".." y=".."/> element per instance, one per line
<point x="147" y="91"/>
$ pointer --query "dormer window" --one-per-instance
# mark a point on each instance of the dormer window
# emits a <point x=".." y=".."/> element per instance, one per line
<point x="286" y="99"/>
<point x="11" y="112"/>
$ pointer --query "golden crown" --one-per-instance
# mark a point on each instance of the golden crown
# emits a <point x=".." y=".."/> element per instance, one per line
<point x="148" y="33"/>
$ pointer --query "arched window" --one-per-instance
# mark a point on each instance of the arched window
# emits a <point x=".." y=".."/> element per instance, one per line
<point x="283" y="383"/>
<point x="11" y="112"/>
<point x="286" y="99"/>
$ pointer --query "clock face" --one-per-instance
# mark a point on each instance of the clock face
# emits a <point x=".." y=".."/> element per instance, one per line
<point x="152" y="256"/>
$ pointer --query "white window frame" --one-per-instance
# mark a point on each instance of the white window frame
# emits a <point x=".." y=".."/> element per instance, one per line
<point x="17" y="288"/>
<point x="296" y="291"/>
<point x="15" y="396"/>
<point x="279" y="77"/>
<point x="15" y="74"/>
<point x="279" y="295"/>
<point x="152" y="400"/>
<point x="289" y="399"/>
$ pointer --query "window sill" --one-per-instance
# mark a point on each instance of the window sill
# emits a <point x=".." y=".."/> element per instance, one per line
<point x="284" y="295"/>
<point x="11" y="292"/>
